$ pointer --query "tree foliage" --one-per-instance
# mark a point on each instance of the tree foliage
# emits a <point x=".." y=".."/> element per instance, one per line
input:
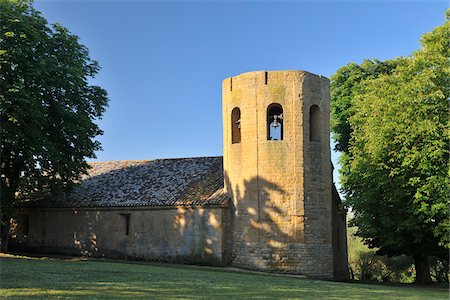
<point x="48" y="107"/>
<point x="391" y="122"/>
<point x="345" y="85"/>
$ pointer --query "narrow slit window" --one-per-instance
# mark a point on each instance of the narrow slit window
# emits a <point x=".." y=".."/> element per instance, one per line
<point x="126" y="222"/>
<point x="314" y="123"/>
<point x="25" y="225"/>
<point x="235" y="125"/>
<point x="338" y="240"/>
<point x="274" y="122"/>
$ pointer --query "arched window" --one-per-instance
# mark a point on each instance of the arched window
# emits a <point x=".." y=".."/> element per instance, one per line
<point x="314" y="123"/>
<point x="275" y="122"/>
<point x="235" y="125"/>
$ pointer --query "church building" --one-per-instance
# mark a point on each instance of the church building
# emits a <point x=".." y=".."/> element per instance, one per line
<point x="268" y="204"/>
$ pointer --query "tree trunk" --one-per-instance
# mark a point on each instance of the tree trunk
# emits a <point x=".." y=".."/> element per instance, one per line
<point x="6" y="201"/>
<point x="4" y="233"/>
<point x="352" y="275"/>
<point x="422" y="269"/>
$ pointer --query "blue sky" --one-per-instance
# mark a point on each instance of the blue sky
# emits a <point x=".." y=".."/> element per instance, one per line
<point x="163" y="62"/>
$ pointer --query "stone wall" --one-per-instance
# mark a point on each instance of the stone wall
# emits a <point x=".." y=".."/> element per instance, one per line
<point x="318" y="176"/>
<point x="280" y="190"/>
<point x="339" y="239"/>
<point x="188" y="235"/>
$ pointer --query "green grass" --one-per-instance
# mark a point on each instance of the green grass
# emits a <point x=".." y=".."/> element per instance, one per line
<point x="23" y="278"/>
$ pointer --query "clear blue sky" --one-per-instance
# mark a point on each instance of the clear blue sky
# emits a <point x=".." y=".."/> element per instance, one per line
<point x="163" y="62"/>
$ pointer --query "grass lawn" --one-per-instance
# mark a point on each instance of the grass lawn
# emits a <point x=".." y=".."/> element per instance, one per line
<point x="25" y="278"/>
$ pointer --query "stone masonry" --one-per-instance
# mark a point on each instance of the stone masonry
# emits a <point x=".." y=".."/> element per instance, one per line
<point x="281" y="190"/>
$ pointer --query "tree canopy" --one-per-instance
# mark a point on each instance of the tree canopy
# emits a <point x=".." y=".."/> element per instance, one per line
<point x="390" y="120"/>
<point x="48" y="107"/>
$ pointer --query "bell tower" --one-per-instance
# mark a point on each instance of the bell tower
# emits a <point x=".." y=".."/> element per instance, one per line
<point x="278" y="172"/>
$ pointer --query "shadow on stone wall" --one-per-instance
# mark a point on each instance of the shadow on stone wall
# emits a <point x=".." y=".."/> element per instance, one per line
<point x="269" y="233"/>
<point x="189" y="234"/>
<point x="57" y="231"/>
<point x="257" y="225"/>
<point x="258" y="231"/>
<point x="185" y="235"/>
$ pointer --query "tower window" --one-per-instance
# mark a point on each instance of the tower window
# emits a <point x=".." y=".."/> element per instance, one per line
<point x="314" y="123"/>
<point x="274" y="122"/>
<point x="235" y="125"/>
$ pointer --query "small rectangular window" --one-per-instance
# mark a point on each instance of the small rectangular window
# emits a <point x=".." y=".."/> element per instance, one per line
<point x="126" y="223"/>
<point x="314" y="123"/>
<point x="25" y="225"/>
<point x="338" y="240"/>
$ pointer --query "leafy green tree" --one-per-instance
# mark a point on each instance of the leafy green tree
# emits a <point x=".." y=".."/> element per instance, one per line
<point x="395" y="151"/>
<point x="48" y="107"/>
<point x="345" y="85"/>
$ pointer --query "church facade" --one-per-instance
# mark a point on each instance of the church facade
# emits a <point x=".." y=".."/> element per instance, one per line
<point x="268" y="204"/>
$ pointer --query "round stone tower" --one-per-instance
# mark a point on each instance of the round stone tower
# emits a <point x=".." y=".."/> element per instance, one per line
<point x="278" y="171"/>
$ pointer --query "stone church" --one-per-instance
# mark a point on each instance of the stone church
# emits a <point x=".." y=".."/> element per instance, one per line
<point x="268" y="204"/>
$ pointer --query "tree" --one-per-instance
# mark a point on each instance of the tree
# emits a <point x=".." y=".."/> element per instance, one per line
<point x="48" y="107"/>
<point x="344" y="87"/>
<point x="395" y="150"/>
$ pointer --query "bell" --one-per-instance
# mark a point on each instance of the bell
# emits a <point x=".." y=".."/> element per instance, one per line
<point x="275" y="123"/>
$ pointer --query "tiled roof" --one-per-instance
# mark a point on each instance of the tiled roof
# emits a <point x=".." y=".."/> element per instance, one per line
<point x="161" y="182"/>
